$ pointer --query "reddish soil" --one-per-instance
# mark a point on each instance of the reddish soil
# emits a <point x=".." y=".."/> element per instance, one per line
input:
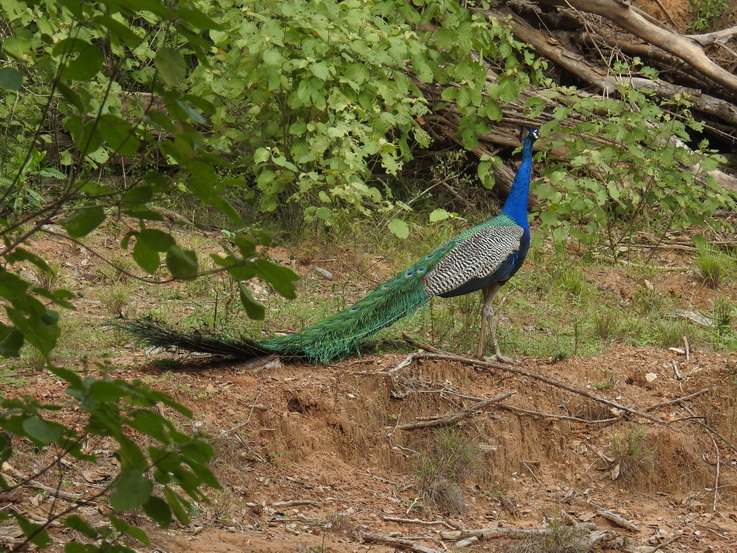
<point x="312" y="458"/>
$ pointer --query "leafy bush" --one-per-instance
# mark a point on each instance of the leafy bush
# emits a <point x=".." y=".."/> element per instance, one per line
<point x="630" y="165"/>
<point x="162" y="479"/>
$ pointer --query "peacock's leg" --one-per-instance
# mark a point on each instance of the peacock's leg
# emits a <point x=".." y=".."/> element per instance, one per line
<point x="487" y="317"/>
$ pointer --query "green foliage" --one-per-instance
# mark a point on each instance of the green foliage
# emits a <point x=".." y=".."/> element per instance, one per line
<point x="162" y="478"/>
<point x="116" y="79"/>
<point x="625" y="170"/>
<point x="706" y="14"/>
<point x="314" y="96"/>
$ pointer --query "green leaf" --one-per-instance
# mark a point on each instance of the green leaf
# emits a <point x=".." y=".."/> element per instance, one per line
<point x="701" y="243"/>
<point x="146" y="258"/>
<point x="71" y="96"/>
<point x="10" y="78"/>
<point x="119" y="30"/>
<point x="261" y="155"/>
<point x="493" y="110"/>
<point x="181" y="263"/>
<point x="122" y="526"/>
<point x="76" y="522"/>
<point x="35" y="533"/>
<point x="131" y="490"/>
<point x="178" y="505"/>
<point x="254" y="310"/>
<point x="171" y="65"/>
<point x="156" y="240"/>
<point x="399" y="228"/>
<point x="438" y="215"/>
<point x="41" y="431"/>
<point x="87" y="63"/>
<point x="83" y="221"/>
<point x="76" y="547"/>
<point x="158" y="510"/>
<point x="11" y="340"/>
<point x="280" y="278"/>
<point x="119" y="134"/>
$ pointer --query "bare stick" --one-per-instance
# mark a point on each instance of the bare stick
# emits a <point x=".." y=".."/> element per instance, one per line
<point x="676" y="400"/>
<point x="618" y="520"/>
<point x="530" y="374"/>
<point x="559" y="417"/>
<point x="397" y="543"/>
<point x="295" y="502"/>
<point x="453" y="418"/>
<point x="495" y="532"/>
<point x="418" y="521"/>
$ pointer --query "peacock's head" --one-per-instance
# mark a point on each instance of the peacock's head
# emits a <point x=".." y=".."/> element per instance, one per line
<point x="532" y="135"/>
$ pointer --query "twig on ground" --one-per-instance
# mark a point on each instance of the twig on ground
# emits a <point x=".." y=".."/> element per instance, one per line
<point x="418" y="521"/>
<point x="618" y="520"/>
<point x="453" y="418"/>
<point x="295" y="502"/>
<point x="523" y="372"/>
<point x="397" y="543"/>
<point x="519" y="533"/>
<point x="676" y="400"/>
<point x="554" y="416"/>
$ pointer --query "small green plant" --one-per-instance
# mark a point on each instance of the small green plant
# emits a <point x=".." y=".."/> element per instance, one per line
<point x="669" y="333"/>
<point x="559" y="538"/>
<point x="573" y="282"/>
<point x="439" y="472"/>
<point x="606" y="325"/>
<point x="707" y="14"/>
<point x="115" y="298"/>
<point x="631" y="453"/>
<point x="711" y="269"/>
<point x="712" y="265"/>
<point x="167" y="364"/>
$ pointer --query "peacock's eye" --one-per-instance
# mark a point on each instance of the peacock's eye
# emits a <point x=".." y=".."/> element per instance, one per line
<point x="409" y="273"/>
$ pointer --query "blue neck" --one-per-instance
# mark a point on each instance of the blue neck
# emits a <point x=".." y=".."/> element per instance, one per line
<point x="516" y="204"/>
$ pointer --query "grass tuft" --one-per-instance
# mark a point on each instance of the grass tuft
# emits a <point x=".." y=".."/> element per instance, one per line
<point x="439" y="472"/>
<point x="557" y="538"/>
<point x="632" y="455"/>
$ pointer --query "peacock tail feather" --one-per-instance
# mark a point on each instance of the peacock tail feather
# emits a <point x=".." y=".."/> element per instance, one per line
<point x="483" y="255"/>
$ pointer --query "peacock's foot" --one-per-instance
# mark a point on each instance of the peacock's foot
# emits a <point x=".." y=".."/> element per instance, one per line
<point x="498" y="357"/>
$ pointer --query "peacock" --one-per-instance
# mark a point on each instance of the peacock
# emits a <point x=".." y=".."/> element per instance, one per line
<point x="481" y="258"/>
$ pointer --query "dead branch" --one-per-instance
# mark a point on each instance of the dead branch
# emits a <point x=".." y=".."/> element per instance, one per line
<point x="418" y="521"/>
<point x="558" y="417"/>
<point x="621" y="13"/>
<point x="618" y="520"/>
<point x="576" y="64"/>
<point x="454" y="418"/>
<point x="397" y="543"/>
<point x="676" y="400"/>
<point x="717" y="475"/>
<point x="294" y="502"/>
<point x="523" y="372"/>
<point x="519" y="533"/>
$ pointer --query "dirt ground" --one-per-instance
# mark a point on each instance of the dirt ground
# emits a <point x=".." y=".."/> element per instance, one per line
<point x="314" y="459"/>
